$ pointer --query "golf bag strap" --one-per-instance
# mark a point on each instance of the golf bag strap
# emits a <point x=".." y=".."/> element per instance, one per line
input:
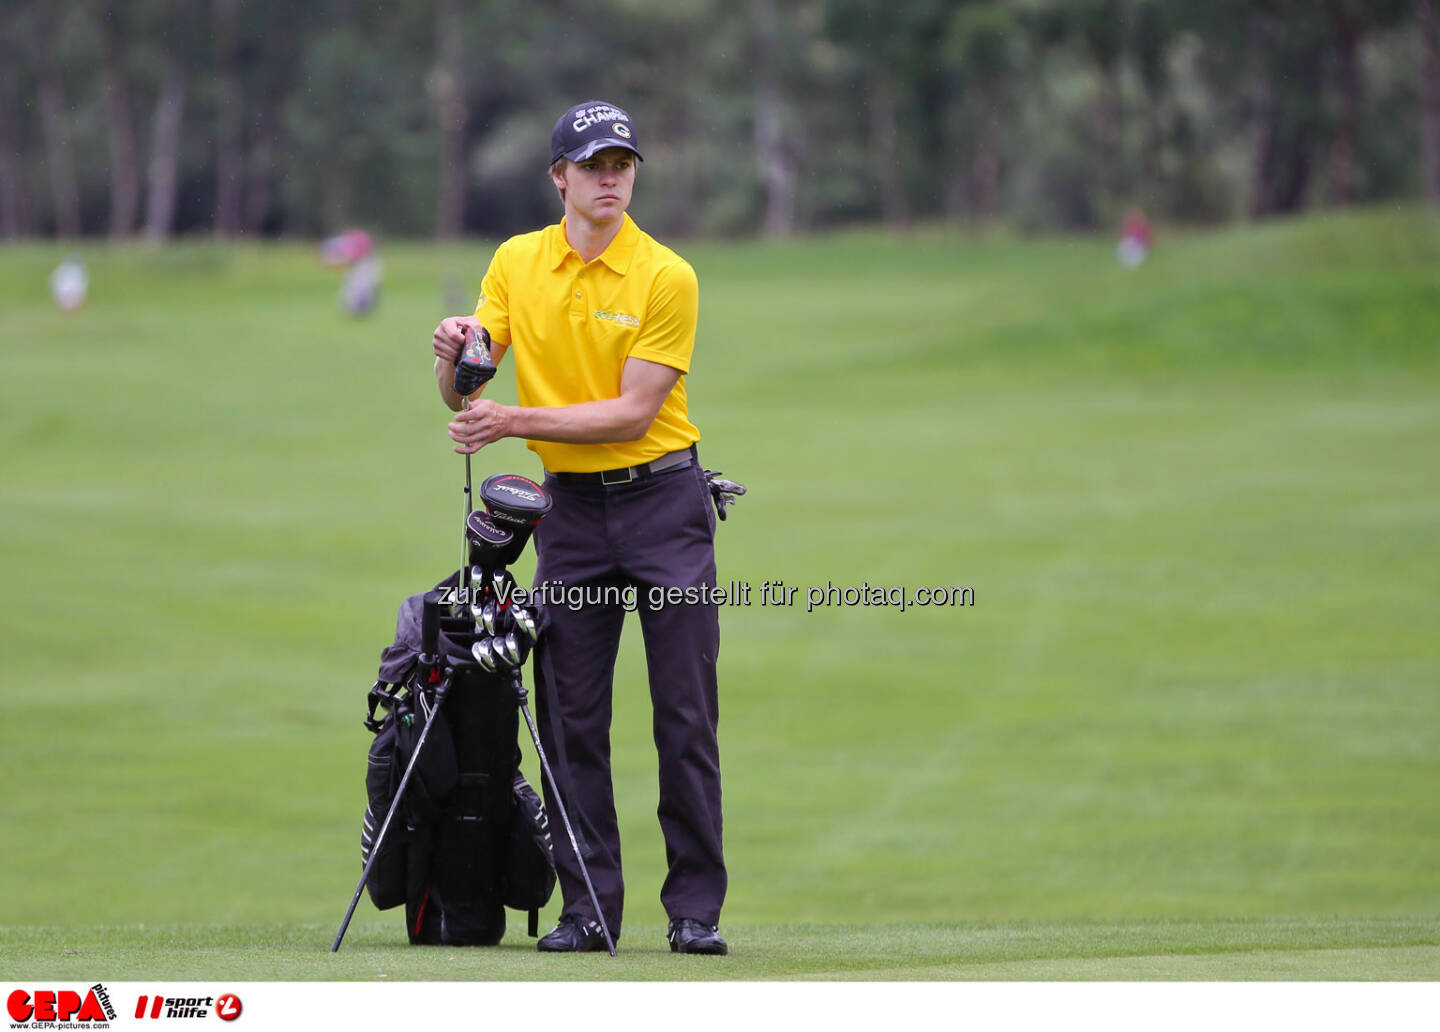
<point x="546" y="678"/>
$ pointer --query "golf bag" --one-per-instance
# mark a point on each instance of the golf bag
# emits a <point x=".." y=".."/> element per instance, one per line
<point x="471" y="836"/>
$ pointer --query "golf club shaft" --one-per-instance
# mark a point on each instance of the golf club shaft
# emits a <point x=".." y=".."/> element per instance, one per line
<point x="565" y="820"/>
<point x="464" y="518"/>
<point x="394" y="806"/>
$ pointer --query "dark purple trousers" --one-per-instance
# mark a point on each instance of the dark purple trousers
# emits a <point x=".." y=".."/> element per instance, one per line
<point x="653" y="533"/>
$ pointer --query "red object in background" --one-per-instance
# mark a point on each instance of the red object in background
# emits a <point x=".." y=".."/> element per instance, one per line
<point x="347" y="248"/>
<point x="1135" y="226"/>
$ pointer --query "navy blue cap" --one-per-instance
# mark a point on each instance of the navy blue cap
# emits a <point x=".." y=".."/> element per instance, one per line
<point x="590" y="127"/>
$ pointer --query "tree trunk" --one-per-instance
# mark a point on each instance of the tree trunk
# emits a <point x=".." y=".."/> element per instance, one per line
<point x="1430" y="100"/>
<point x="1342" y="149"/>
<point x="776" y="172"/>
<point x="59" y="156"/>
<point x="1110" y="119"/>
<point x="14" y="221"/>
<point x="884" y="132"/>
<point x="1293" y="179"/>
<point x="259" y="166"/>
<point x="230" y="154"/>
<point x="986" y="172"/>
<point x="124" y="152"/>
<point x="165" y="154"/>
<point x="124" y="157"/>
<point x="447" y="91"/>
<point x="1262" y="113"/>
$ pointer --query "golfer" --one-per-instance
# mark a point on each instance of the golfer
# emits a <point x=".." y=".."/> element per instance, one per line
<point x="601" y="320"/>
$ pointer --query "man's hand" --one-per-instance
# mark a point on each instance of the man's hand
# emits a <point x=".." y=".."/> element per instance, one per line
<point x="484" y="422"/>
<point x="450" y="336"/>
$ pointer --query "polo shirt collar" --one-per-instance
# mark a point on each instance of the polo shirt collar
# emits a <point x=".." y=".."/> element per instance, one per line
<point x="617" y="256"/>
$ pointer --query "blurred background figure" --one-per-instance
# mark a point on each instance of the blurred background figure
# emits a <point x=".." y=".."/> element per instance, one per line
<point x="69" y="284"/>
<point x="347" y="248"/>
<point x="360" y="292"/>
<point x="1135" y="238"/>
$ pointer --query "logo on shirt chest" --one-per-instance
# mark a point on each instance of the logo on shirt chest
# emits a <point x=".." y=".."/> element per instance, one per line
<point x="617" y="317"/>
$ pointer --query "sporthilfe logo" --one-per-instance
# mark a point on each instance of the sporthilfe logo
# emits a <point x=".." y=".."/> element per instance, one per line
<point x="226" y="1006"/>
<point x="47" y="1006"/>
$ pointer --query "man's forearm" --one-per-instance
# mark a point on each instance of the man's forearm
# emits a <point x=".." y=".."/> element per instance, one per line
<point x="445" y="380"/>
<point x="609" y="421"/>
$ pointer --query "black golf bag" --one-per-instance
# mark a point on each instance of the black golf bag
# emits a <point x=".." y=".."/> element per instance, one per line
<point x="471" y="836"/>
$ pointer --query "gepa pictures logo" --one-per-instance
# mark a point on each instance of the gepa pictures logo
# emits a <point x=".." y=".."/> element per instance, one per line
<point x="46" y="1007"/>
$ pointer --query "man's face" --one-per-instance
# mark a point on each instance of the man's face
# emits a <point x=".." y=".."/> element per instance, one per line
<point x="598" y="188"/>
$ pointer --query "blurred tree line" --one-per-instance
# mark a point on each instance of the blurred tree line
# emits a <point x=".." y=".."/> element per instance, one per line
<point x="157" y="117"/>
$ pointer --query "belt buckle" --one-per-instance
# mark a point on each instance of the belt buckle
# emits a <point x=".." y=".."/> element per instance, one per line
<point x="605" y="475"/>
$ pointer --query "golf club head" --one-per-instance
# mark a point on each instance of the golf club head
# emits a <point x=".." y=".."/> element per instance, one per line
<point x="511" y="648"/>
<point x="502" y="585"/>
<point x="489" y="542"/>
<point x="495" y="618"/>
<point x="484" y="655"/>
<point x="501" y="652"/>
<point x="516" y="503"/>
<point x="525" y="623"/>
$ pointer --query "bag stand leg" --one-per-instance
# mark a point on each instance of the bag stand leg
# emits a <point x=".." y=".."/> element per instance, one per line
<point x="520" y="697"/>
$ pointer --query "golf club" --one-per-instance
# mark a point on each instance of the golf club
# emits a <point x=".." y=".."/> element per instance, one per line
<point x="473" y="371"/>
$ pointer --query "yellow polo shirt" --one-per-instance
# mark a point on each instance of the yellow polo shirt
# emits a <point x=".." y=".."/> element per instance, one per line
<point x="570" y="327"/>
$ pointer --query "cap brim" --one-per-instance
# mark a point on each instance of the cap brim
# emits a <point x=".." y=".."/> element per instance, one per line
<point x="594" y="147"/>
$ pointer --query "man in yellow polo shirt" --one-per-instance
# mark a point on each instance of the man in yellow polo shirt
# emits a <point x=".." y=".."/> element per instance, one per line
<point x="601" y="321"/>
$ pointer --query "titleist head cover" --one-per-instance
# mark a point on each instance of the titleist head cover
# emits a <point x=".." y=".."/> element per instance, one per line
<point x="516" y="503"/>
<point x="513" y="500"/>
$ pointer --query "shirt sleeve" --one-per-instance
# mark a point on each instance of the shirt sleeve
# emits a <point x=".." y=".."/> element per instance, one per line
<point x="493" y="308"/>
<point x="667" y="335"/>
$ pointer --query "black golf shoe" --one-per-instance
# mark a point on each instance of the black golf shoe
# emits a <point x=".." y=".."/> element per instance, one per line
<point x="574" y="934"/>
<point x="687" y="936"/>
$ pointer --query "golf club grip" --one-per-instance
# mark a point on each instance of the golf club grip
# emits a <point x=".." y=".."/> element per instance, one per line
<point x="569" y="831"/>
<point x="389" y="814"/>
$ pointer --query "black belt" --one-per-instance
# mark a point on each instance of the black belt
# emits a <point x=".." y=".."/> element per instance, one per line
<point x="627" y="474"/>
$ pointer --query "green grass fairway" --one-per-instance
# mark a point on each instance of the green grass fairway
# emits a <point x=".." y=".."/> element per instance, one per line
<point x="1279" y="949"/>
<point x="1189" y="729"/>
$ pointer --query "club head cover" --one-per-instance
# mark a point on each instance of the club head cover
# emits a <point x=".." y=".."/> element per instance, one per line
<point x="474" y="369"/>
<point x="489" y="542"/>
<point x="517" y="504"/>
